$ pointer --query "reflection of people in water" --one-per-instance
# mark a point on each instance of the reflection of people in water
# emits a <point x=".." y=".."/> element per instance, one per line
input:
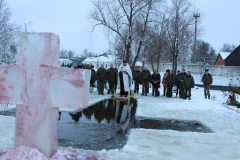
<point x="99" y="111"/>
<point x="88" y="112"/>
<point x="59" y="115"/>
<point x="123" y="117"/>
<point x="110" y="111"/>
<point x="76" y="116"/>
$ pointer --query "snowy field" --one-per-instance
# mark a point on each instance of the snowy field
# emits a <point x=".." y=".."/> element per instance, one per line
<point x="150" y="144"/>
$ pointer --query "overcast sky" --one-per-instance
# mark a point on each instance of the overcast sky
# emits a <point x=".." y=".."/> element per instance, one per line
<point x="70" y="20"/>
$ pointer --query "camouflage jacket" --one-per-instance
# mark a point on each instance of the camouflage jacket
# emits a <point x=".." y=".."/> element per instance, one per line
<point x="188" y="80"/>
<point x="111" y="75"/>
<point x="145" y="76"/>
<point x="170" y="80"/>
<point x="101" y="75"/>
<point x="182" y="77"/>
<point x="207" y="79"/>
<point x="137" y="76"/>
<point x="93" y="76"/>
<point x="177" y="80"/>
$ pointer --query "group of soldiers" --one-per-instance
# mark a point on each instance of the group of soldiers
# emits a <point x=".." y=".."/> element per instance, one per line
<point x="182" y="82"/>
<point x="102" y="76"/>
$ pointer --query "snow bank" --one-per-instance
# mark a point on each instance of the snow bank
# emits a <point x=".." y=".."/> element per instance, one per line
<point x="26" y="153"/>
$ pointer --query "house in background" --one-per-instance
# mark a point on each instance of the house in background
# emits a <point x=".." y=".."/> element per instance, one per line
<point x="233" y="59"/>
<point x="221" y="58"/>
<point x="105" y="59"/>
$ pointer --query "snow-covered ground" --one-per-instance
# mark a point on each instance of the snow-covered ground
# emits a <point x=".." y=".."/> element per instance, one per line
<point x="148" y="144"/>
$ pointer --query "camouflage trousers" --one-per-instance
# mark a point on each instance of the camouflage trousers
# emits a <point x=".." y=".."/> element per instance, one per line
<point x="136" y="89"/>
<point x="100" y="87"/>
<point x="111" y="87"/>
<point x="182" y="90"/>
<point x="207" y="91"/>
<point x="188" y="91"/>
<point x="145" y="87"/>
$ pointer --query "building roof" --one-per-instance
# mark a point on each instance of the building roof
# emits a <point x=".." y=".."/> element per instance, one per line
<point x="138" y="64"/>
<point x="102" y="58"/>
<point x="232" y="52"/>
<point x="77" y="60"/>
<point x="224" y="55"/>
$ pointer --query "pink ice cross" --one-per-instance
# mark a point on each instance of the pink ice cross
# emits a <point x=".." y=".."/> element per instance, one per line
<point x="38" y="86"/>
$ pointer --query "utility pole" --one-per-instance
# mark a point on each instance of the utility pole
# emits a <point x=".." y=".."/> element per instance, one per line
<point x="196" y="16"/>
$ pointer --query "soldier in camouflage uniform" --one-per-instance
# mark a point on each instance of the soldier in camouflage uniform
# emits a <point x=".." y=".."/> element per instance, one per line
<point x="182" y="84"/>
<point x="101" y="79"/>
<point x="189" y="83"/>
<point x="92" y="80"/>
<point x="177" y="82"/>
<point x="137" y="75"/>
<point x="145" y="78"/>
<point x="207" y="81"/>
<point x="170" y="82"/>
<point x="111" y="78"/>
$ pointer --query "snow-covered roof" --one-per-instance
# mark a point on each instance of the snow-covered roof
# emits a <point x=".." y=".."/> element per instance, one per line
<point x="65" y="61"/>
<point x="138" y="64"/>
<point x="99" y="59"/>
<point x="224" y="54"/>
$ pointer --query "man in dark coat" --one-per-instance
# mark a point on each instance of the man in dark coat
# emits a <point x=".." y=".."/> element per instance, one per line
<point x="111" y="78"/>
<point x="137" y="76"/>
<point x="80" y="66"/>
<point x="145" y="78"/>
<point x="93" y="79"/>
<point x="156" y="79"/>
<point x="170" y="83"/>
<point x="182" y="84"/>
<point x="101" y="79"/>
<point x="207" y="81"/>
<point x="189" y="83"/>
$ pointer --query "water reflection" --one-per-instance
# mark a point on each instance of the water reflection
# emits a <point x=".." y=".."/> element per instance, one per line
<point x="101" y="126"/>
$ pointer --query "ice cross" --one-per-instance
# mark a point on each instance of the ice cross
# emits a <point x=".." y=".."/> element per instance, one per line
<point x="37" y="85"/>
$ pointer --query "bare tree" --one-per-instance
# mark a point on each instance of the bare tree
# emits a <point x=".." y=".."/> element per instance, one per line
<point x="228" y="48"/>
<point x="66" y="54"/>
<point x="9" y="32"/>
<point x="205" y="54"/>
<point x="179" y="31"/>
<point x="121" y="18"/>
<point x="86" y="53"/>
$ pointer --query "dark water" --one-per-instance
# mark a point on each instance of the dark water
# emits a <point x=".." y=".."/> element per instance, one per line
<point x="183" y="126"/>
<point x="11" y="112"/>
<point x="104" y="125"/>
